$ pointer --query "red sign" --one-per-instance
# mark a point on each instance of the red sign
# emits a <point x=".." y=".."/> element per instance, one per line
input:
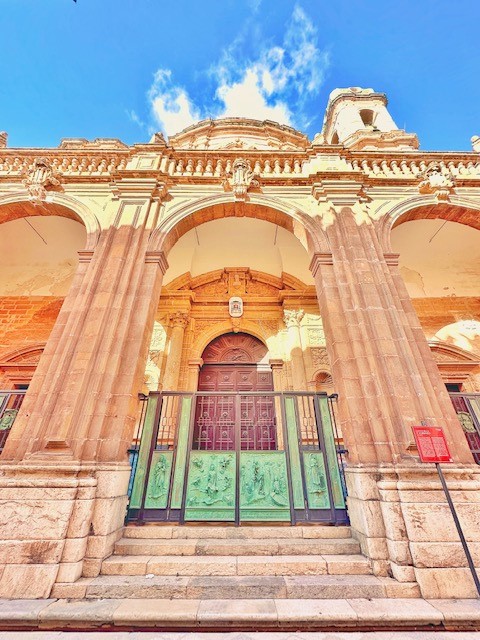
<point x="432" y="444"/>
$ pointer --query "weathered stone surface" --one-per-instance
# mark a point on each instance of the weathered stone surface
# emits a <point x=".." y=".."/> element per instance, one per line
<point x="153" y="613"/>
<point x="30" y="551"/>
<point x="27" y="580"/>
<point x="395" y="612"/>
<point x="236" y="587"/>
<point x="443" y="554"/>
<point x="445" y="583"/>
<point x="24" y="519"/>
<point x="160" y="587"/>
<point x="23" y="610"/>
<point x="281" y="565"/>
<point x="458" y="610"/>
<point x="311" y="611"/>
<point x="79" y="613"/>
<point x="334" y="587"/>
<point x="193" y="566"/>
<point x="225" y="612"/>
<point x="71" y="590"/>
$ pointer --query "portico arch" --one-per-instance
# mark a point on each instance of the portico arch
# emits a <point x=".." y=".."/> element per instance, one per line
<point x="457" y="209"/>
<point x="18" y="205"/>
<point x="186" y="217"/>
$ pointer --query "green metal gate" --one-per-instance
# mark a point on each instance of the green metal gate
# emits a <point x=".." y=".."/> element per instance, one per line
<point x="237" y="457"/>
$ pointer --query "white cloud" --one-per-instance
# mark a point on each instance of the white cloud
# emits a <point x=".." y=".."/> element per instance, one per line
<point x="273" y="85"/>
<point x="171" y="106"/>
<point x="247" y="98"/>
<point x="134" y="117"/>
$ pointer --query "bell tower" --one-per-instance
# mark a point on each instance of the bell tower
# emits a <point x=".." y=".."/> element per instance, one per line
<point x="358" y="118"/>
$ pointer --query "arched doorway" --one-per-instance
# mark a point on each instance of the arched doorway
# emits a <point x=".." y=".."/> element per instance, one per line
<point x="236" y="450"/>
<point x="235" y="363"/>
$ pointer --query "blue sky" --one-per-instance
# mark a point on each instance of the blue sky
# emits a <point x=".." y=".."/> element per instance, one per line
<point x="126" y="68"/>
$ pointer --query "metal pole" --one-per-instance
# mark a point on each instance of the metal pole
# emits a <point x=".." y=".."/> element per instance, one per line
<point x="459" y="528"/>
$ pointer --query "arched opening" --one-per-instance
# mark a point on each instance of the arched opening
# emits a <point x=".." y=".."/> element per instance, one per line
<point x="439" y="260"/>
<point x="235" y="363"/>
<point x="237" y="340"/>
<point x="368" y="117"/>
<point x="257" y="260"/>
<point x="38" y="258"/>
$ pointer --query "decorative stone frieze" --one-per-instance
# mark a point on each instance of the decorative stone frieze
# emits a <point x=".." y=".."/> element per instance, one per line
<point x="437" y="182"/>
<point x="293" y="317"/>
<point x="40" y="179"/>
<point x="240" y="179"/>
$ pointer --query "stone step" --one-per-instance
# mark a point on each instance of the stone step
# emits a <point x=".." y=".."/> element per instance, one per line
<point x="252" y="619"/>
<point x="283" y="565"/>
<point x="235" y="547"/>
<point x="163" y="531"/>
<point x="245" y="587"/>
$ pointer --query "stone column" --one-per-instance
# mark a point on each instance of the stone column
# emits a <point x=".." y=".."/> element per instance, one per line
<point x="277" y="367"/>
<point x="387" y="382"/>
<point x="292" y="319"/>
<point x="178" y="321"/>
<point x="193" y="371"/>
<point x="64" y="471"/>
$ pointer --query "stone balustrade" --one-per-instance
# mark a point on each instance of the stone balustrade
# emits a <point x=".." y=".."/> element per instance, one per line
<point x="15" y="164"/>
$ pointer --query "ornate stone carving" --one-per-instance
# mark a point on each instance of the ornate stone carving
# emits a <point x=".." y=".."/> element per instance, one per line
<point x="316" y="336"/>
<point x="319" y="357"/>
<point x="434" y="181"/>
<point x="240" y="179"/>
<point x="40" y="179"/>
<point x="179" y="319"/>
<point x="293" y="317"/>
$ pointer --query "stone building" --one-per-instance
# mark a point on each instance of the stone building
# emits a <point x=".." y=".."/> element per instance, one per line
<point x="255" y="321"/>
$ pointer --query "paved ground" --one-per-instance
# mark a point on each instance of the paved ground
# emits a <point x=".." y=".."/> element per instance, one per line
<point x="156" y="635"/>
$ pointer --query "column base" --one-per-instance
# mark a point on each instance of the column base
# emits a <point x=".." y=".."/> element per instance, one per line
<point x="57" y="521"/>
<point x="401" y="518"/>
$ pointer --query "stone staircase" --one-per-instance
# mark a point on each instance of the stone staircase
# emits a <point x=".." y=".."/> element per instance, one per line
<point x="248" y="562"/>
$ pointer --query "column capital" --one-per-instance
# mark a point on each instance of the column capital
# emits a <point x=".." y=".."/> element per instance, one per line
<point x="276" y="363"/>
<point x="158" y="257"/>
<point x="339" y="193"/>
<point x="138" y="189"/>
<point x="293" y="317"/>
<point x="195" y="363"/>
<point x="179" y="319"/>
<point x="318" y="260"/>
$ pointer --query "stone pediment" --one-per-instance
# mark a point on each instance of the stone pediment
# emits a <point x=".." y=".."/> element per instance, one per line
<point x="446" y="353"/>
<point x="240" y="281"/>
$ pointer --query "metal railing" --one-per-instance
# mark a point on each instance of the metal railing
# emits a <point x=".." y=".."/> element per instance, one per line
<point x="10" y="402"/>
<point x="467" y="407"/>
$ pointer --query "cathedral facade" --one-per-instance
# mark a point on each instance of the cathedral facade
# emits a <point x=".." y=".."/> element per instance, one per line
<point x="239" y="326"/>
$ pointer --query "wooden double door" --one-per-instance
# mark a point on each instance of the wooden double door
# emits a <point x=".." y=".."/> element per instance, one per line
<point x="244" y="420"/>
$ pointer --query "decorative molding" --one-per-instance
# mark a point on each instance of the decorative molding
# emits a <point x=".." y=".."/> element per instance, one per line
<point x="85" y="256"/>
<point x="157" y="257"/>
<point x="240" y="179"/>
<point x="436" y="182"/>
<point x="293" y="317"/>
<point x="319" y="260"/>
<point x="179" y="319"/>
<point x="392" y="259"/>
<point x="39" y="179"/>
